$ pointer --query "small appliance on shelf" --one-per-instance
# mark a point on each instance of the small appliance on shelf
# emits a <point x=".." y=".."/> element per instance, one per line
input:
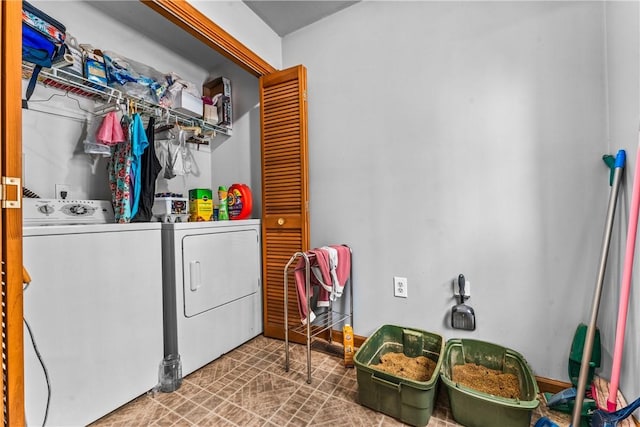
<point x="170" y="207"/>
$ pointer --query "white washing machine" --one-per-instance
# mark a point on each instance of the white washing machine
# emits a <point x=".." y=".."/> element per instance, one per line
<point x="94" y="306"/>
<point x="212" y="288"/>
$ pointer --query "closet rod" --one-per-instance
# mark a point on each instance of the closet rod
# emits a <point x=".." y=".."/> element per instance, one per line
<point x="66" y="116"/>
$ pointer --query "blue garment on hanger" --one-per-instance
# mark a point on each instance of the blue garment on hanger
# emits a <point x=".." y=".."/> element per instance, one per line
<point x="139" y="143"/>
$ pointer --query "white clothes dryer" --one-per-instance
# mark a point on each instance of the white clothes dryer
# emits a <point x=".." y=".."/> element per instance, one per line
<point x="212" y="288"/>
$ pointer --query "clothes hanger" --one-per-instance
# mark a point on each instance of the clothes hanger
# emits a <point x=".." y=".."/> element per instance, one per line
<point x="107" y="108"/>
<point x="66" y="95"/>
<point x="164" y="125"/>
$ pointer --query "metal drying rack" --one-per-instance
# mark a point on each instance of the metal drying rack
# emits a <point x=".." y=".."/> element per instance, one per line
<point x="323" y="322"/>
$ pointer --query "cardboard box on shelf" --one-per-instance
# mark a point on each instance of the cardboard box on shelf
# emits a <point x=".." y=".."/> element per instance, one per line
<point x="210" y="113"/>
<point x="200" y="204"/>
<point x="224" y="105"/>
<point x="220" y="85"/>
<point x="94" y="67"/>
<point x="188" y="104"/>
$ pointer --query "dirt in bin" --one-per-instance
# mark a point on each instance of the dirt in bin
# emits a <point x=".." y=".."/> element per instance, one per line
<point x="414" y="368"/>
<point x="487" y="380"/>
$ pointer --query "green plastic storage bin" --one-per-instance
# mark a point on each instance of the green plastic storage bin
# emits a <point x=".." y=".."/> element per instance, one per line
<point x="409" y="401"/>
<point x="473" y="408"/>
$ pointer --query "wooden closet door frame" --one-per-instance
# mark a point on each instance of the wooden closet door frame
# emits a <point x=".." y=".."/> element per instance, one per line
<point x="11" y="217"/>
<point x="204" y="29"/>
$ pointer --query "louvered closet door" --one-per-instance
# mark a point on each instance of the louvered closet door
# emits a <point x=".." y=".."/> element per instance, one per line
<point x="285" y="214"/>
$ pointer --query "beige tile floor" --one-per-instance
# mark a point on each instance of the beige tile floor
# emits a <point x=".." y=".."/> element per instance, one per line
<point x="249" y="387"/>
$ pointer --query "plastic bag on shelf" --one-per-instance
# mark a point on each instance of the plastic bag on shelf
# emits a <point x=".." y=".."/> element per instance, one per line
<point x="177" y="85"/>
<point x="134" y="78"/>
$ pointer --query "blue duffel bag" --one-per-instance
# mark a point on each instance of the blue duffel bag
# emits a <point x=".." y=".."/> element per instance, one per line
<point x="42" y="41"/>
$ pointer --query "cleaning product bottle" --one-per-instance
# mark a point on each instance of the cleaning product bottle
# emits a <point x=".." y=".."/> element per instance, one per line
<point x="347" y="341"/>
<point x="223" y="212"/>
<point x="239" y="203"/>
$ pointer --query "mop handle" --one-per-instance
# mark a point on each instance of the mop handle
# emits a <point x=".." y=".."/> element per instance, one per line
<point x="625" y="288"/>
<point x="591" y="329"/>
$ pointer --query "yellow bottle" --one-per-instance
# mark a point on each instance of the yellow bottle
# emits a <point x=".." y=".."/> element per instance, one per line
<point x="347" y="341"/>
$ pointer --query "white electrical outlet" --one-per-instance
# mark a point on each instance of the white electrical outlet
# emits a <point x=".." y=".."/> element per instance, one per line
<point x="63" y="191"/>
<point x="400" y="287"/>
<point x="456" y="288"/>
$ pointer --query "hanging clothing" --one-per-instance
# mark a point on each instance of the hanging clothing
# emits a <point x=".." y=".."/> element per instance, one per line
<point x="110" y="131"/>
<point x="177" y="159"/>
<point x="150" y="168"/>
<point x="120" y="178"/>
<point x="138" y="144"/>
<point x="330" y="267"/>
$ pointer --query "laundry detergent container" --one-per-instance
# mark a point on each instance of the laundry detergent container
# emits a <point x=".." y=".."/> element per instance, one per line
<point x="409" y="401"/>
<point x="474" y="408"/>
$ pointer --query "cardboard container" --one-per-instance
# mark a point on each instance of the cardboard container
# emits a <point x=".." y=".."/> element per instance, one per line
<point x="224" y="107"/>
<point x="188" y="104"/>
<point x="409" y="401"/>
<point x="210" y="114"/>
<point x="95" y="69"/>
<point x="200" y="204"/>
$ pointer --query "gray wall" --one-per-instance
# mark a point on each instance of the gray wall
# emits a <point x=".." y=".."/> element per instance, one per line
<point x="623" y="83"/>
<point x="463" y="137"/>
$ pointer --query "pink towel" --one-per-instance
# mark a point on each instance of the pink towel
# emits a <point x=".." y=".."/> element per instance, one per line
<point x="329" y="288"/>
<point x="110" y="131"/>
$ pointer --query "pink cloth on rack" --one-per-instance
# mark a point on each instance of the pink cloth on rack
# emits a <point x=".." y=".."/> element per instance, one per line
<point x="110" y="131"/>
<point x="330" y="276"/>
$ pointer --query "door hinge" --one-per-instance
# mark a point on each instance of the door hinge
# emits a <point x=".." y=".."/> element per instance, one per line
<point x="8" y="181"/>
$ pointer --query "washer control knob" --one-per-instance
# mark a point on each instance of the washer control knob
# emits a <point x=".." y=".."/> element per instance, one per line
<point x="46" y="209"/>
<point x="78" y="209"/>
